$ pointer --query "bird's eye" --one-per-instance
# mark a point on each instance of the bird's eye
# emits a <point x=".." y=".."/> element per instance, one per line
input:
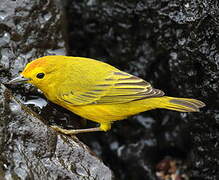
<point x="40" y="75"/>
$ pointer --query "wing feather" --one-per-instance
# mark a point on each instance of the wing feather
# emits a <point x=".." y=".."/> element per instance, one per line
<point x="119" y="87"/>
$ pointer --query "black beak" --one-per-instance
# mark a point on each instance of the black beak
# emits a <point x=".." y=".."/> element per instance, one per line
<point x="18" y="79"/>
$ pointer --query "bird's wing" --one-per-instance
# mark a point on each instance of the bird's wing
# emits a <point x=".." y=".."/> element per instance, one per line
<point x="118" y="87"/>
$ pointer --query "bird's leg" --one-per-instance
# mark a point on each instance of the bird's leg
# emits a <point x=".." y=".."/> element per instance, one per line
<point x="103" y="127"/>
<point x="75" y="131"/>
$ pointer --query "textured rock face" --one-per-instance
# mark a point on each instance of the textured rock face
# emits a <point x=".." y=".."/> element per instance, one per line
<point x="29" y="29"/>
<point x="31" y="150"/>
<point x="174" y="45"/>
<point x="28" y="148"/>
<point x="171" y="43"/>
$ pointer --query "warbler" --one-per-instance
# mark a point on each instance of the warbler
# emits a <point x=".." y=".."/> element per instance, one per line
<point x="97" y="91"/>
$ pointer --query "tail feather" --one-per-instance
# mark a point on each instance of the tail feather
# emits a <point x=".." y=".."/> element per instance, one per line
<point x="180" y="104"/>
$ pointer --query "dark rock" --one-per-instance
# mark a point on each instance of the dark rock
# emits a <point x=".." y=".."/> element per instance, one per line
<point x="28" y="30"/>
<point x="31" y="150"/>
<point x="174" y="45"/>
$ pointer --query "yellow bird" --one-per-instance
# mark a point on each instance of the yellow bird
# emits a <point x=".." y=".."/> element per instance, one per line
<point x="97" y="91"/>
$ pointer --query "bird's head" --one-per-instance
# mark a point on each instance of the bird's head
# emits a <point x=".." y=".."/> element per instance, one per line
<point x="38" y="72"/>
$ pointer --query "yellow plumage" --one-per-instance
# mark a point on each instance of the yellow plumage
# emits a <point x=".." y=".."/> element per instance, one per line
<point x="98" y="91"/>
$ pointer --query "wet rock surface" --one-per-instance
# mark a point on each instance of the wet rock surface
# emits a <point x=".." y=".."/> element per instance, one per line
<point x="29" y="29"/>
<point x="173" y="45"/>
<point x="29" y="149"/>
<point x="32" y="150"/>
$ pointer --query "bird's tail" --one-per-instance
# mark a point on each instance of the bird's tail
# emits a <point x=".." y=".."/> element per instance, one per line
<point x="179" y="104"/>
